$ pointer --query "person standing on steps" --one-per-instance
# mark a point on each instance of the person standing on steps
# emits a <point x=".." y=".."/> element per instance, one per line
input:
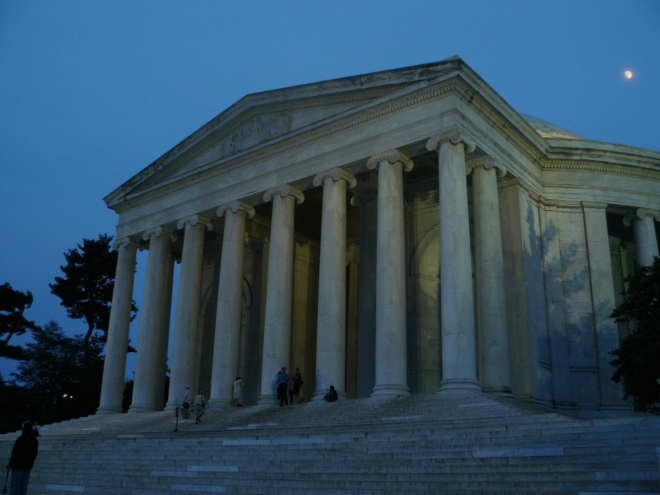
<point x="22" y="459"/>
<point x="186" y="403"/>
<point x="200" y="406"/>
<point x="282" y="386"/>
<point x="238" y="386"/>
<point x="297" y="383"/>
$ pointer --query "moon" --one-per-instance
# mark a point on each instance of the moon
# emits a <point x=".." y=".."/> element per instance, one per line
<point x="628" y="74"/>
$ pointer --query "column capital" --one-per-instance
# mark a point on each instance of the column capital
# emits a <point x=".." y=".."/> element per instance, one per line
<point x="125" y="242"/>
<point x="640" y="214"/>
<point x="392" y="157"/>
<point x="235" y="207"/>
<point x="453" y="136"/>
<point x="487" y="163"/>
<point x="284" y="191"/>
<point x="364" y="197"/>
<point x="194" y="220"/>
<point x="158" y="231"/>
<point x="335" y="174"/>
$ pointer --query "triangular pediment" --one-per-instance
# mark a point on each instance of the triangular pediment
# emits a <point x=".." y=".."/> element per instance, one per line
<point x="262" y="118"/>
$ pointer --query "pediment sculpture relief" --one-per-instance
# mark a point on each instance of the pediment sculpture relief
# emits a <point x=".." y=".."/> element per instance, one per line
<point x="259" y="129"/>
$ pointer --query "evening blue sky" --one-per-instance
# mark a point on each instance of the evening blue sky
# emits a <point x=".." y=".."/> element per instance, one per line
<point x="93" y="92"/>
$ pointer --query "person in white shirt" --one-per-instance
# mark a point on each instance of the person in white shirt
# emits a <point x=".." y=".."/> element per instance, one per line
<point x="186" y="403"/>
<point x="200" y="406"/>
<point x="238" y="386"/>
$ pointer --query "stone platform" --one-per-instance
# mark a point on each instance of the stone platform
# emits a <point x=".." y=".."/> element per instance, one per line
<point x="454" y="443"/>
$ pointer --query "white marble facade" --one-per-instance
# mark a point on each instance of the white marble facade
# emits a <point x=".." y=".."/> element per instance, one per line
<point x="400" y="232"/>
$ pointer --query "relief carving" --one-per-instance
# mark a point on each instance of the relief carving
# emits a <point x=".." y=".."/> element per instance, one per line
<point x="260" y="129"/>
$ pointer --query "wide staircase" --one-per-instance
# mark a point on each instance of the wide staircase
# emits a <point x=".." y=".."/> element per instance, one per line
<point x="453" y="443"/>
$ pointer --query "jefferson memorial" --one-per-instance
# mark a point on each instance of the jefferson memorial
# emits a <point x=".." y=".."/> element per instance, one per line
<point x="400" y="232"/>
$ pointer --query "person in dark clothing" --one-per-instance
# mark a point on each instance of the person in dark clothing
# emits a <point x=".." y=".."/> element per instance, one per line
<point x="22" y="459"/>
<point x="332" y="395"/>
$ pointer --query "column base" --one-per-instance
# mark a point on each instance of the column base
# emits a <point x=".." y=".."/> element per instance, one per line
<point x="616" y="406"/>
<point x="447" y="385"/>
<point x="218" y="403"/>
<point x="266" y="401"/>
<point x="109" y="410"/>
<point x="171" y="406"/>
<point x="142" y="409"/>
<point x="392" y="389"/>
<point x="504" y="392"/>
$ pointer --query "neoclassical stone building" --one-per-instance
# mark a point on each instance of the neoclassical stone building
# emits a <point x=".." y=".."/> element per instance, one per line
<point x="399" y="232"/>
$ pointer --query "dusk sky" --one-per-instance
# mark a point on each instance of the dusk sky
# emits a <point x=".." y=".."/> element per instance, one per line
<point x="93" y="92"/>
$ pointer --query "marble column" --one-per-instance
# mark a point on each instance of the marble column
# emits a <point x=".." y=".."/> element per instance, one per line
<point x="114" y="366"/>
<point x="646" y="242"/>
<point x="164" y="334"/>
<point x="366" y="344"/>
<point x="459" y="369"/>
<point x="602" y="296"/>
<point x="331" y="316"/>
<point x="228" y="317"/>
<point x="489" y="267"/>
<point x="184" y="347"/>
<point x="279" y="289"/>
<point x="391" y="339"/>
<point x="146" y="396"/>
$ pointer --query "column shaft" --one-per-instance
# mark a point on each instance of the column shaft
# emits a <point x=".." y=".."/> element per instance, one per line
<point x="391" y="338"/>
<point x="154" y="305"/>
<point x="228" y="317"/>
<point x="489" y="264"/>
<point x="456" y="297"/>
<point x="602" y="294"/>
<point x="277" y="322"/>
<point x="184" y="348"/>
<point x="366" y="346"/>
<point x="646" y="242"/>
<point x="331" y="318"/>
<point x="114" y="366"/>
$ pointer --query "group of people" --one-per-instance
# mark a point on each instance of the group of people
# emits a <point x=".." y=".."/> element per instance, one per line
<point x="288" y="388"/>
<point x="23" y="456"/>
<point x="288" y="391"/>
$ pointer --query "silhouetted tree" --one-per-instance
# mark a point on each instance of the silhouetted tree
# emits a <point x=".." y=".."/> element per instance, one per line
<point x="637" y="362"/>
<point x="87" y="285"/>
<point x="12" y="322"/>
<point x="62" y="381"/>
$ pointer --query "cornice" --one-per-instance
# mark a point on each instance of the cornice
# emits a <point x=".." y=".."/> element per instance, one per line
<point x="359" y="116"/>
<point x="601" y="167"/>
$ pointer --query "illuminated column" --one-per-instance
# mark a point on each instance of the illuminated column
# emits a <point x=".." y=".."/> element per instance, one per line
<point x="331" y="319"/>
<point x="391" y="341"/>
<point x="489" y="267"/>
<point x="184" y="348"/>
<point x="146" y="395"/>
<point x="228" y="316"/>
<point x="646" y="242"/>
<point x="279" y="288"/>
<point x="114" y="366"/>
<point x="459" y="369"/>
